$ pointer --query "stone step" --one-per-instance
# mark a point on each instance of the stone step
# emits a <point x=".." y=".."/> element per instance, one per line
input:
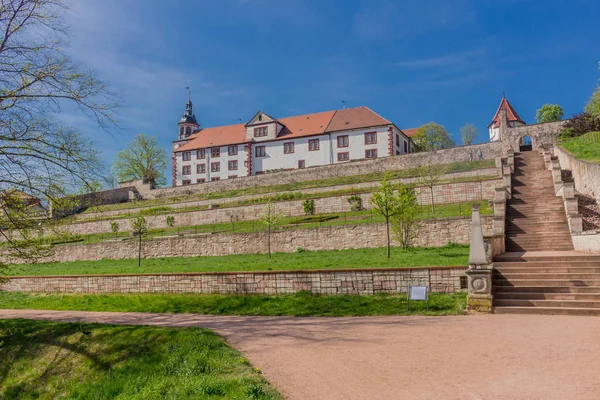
<point x="535" y="248"/>
<point x="546" y="270"/>
<point x="547" y="310"/>
<point x="546" y="282"/>
<point x="500" y="265"/>
<point x="546" y="296"/>
<point x="546" y="303"/>
<point x="547" y="289"/>
<point x="548" y="256"/>
<point x="567" y="276"/>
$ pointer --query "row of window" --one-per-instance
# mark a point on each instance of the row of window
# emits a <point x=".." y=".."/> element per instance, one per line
<point x="288" y="148"/>
<point x="214" y="153"/>
<point x="202" y="180"/>
<point x="233" y="166"/>
<point x="214" y="167"/>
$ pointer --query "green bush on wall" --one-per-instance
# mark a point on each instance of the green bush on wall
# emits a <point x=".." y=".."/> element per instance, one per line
<point x="309" y="206"/>
<point x="355" y="203"/>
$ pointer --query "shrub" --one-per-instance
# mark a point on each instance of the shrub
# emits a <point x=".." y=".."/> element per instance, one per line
<point x="170" y="221"/>
<point x="309" y="206"/>
<point x="566" y="134"/>
<point x="355" y="203"/>
<point x="301" y="250"/>
<point x="583" y="123"/>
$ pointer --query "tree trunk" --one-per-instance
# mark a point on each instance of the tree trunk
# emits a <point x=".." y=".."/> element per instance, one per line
<point x="140" y="251"/>
<point x="387" y="228"/>
<point x="432" y="204"/>
<point x="269" y="240"/>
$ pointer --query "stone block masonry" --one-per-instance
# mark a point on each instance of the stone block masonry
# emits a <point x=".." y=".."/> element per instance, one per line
<point x="333" y="282"/>
<point x="586" y="175"/>
<point x="432" y="233"/>
<point x="473" y="175"/>
<point x="443" y="194"/>
<point x="359" y="167"/>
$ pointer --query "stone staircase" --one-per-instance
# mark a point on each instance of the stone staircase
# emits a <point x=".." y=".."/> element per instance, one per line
<point x="540" y="273"/>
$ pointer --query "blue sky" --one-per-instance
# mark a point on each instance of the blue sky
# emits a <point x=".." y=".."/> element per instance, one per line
<point x="412" y="62"/>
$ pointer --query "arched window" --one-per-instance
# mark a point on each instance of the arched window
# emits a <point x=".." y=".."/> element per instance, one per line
<point x="181" y="131"/>
<point x="188" y="131"/>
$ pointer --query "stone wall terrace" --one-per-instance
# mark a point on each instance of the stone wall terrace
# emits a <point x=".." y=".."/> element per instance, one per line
<point x="432" y="233"/>
<point x="359" y="186"/>
<point x="443" y="194"/>
<point x="359" y="167"/>
<point x="331" y="282"/>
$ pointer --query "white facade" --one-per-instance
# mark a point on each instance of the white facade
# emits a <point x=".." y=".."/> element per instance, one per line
<point x="204" y="165"/>
<point x="267" y="145"/>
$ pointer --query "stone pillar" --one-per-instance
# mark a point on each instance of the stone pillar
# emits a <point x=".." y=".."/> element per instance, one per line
<point x="556" y="176"/>
<point x="507" y="180"/>
<point x="511" y="160"/>
<point x="480" y="269"/>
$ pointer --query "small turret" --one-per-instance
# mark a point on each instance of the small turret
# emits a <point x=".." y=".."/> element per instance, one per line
<point x="188" y="123"/>
<point x="505" y="117"/>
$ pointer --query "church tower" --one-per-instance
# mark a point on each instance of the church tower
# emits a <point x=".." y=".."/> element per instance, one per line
<point x="188" y="123"/>
<point x="512" y="120"/>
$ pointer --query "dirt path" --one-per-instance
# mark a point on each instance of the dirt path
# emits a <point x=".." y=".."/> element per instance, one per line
<point x="477" y="357"/>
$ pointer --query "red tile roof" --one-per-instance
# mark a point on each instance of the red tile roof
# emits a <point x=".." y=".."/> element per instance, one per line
<point x="355" y="118"/>
<point x="297" y="126"/>
<point x="217" y="136"/>
<point x="410" y="132"/>
<point x="511" y="114"/>
<point x="305" y="125"/>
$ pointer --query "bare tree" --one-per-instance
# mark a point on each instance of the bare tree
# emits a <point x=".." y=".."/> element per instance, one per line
<point x="139" y="227"/>
<point x="429" y="176"/>
<point x="468" y="133"/>
<point x="39" y="156"/>
<point x="385" y="201"/>
<point x="270" y="217"/>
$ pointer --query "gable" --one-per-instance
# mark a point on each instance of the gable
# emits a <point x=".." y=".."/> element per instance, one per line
<point x="260" y="118"/>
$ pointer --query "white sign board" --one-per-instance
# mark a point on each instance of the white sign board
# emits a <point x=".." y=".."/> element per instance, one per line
<point x="418" y="293"/>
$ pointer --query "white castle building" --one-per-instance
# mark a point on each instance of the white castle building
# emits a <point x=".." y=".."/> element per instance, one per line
<point x="266" y="144"/>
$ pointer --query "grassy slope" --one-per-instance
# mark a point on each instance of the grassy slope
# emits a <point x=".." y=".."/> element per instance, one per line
<point x="300" y="304"/>
<point x="45" y="360"/>
<point x="371" y="177"/>
<point x="333" y="219"/>
<point x="582" y="149"/>
<point x="452" y="255"/>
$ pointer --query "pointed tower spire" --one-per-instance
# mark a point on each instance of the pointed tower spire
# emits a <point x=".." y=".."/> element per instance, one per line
<point x="188" y="123"/>
<point x="505" y="110"/>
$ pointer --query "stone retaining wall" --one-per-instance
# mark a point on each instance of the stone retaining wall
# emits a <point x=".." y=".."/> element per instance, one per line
<point x="445" y="193"/>
<point x="586" y="175"/>
<point x="352" y="281"/>
<point x="446" y="156"/>
<point x="476" y="173"/>
<point x="432" y="233"/>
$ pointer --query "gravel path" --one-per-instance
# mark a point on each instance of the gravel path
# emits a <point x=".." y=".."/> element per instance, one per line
<point x="476" y="357"/>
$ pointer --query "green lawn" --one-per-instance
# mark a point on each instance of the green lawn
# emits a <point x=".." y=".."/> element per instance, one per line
<point x="300" y="222"/>
<point x="371" y="177"/>
<point x="46" y="360"/>
<point x="452" y="255"/>
<point x="300" y="304"/>
<point x="583" y="148"/>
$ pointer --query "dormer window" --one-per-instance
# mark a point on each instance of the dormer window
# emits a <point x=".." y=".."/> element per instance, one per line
<point x="260" y="132"/>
